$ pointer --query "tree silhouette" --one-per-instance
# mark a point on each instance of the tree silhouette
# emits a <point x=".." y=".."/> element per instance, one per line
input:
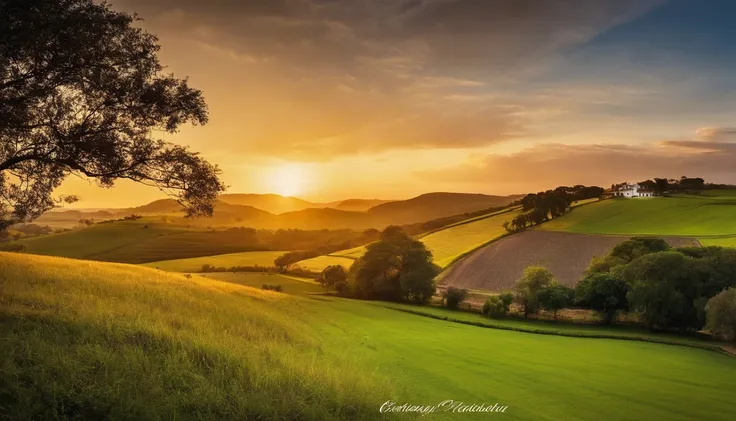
<point x="82" y="92"/>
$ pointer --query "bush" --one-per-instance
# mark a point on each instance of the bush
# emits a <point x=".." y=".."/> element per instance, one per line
<point x="495" y="306"/>
<point x="721" y="315"/>
<point x="452" y="297"/>
<point x="267" y="287"/>
<point x="15" y="248"/>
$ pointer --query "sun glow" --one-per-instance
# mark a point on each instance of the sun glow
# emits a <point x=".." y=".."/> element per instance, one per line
<point x="288" y="180"/>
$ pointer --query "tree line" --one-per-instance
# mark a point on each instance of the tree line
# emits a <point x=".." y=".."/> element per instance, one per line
<point x="683" y="289"/>
<point x="543" y="206"/>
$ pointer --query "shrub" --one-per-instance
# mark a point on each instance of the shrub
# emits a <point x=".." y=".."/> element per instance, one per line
<point x="495" y="306"/>
<point x="721" y="314"/>
<point x="15" y="248"/>
<point x="267" y="287"/>
<point x="452" y="297"/>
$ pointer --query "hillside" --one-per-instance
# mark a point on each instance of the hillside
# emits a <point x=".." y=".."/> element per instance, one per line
<point x="359" y="205"/>
<point x="96" y="340"/>
<point x="139" y="241"/>
<point x="436" y="205"/>
<point x="710" y="218"/>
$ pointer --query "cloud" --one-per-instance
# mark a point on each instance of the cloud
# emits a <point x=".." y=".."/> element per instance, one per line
<point x="327" y="78"/>
<point x="549" y="165"/>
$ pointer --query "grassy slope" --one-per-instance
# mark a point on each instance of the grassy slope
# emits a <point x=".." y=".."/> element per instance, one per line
<point x="100" y="238"/>
<point x="249" y="258"/>
<point x="695" y="216"/>
<point x="102" y="339"/>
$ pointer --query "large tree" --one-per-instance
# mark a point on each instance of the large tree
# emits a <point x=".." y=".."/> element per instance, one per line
<point x="82" y="92"/>
<point x="395" y="268"/>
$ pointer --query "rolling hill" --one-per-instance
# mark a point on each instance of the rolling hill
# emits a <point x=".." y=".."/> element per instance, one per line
<point x="140" y="241"/>
<point x="97" y="340"/>
<point x="709" y="218"/>
<point x="436" y="205"/>
<point x="359" y="205"/>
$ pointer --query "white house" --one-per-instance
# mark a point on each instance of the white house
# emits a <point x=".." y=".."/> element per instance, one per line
<point x="632" y="190"/>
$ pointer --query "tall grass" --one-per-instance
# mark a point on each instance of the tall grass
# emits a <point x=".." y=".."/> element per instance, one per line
<point x="93" y="340"/>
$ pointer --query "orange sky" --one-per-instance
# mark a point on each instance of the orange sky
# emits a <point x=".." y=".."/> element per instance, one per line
<point x="329" y="100"/>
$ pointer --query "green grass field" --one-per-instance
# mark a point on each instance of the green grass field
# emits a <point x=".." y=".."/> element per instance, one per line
<point x="709" y="218"/>
<point x="194" y="264"/>
<point x="95" y="340"/>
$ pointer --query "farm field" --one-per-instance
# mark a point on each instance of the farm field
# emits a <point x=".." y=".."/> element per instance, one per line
<point x="499" y="265"/>
<point x="353" y="253"/>
<point x="448" y="244"/>
<point x="694" y="216"/>
<point x="87" y="337"/>
<point x="290" y="285"/>
<point x="317" y="264"/>
<point x="452" y="241"/>
<point x="194" y="264"/>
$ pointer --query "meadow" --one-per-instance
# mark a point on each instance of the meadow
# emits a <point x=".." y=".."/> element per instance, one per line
<point x="708" y="217"/>
<point x="98" y="339"/>
<point x="194" y="264"/>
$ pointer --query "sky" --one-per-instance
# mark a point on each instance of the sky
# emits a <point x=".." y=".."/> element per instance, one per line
<point x="330" y="99"/>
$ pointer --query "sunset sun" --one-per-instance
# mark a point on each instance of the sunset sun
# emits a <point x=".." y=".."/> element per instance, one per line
<point x="287" y="180"/>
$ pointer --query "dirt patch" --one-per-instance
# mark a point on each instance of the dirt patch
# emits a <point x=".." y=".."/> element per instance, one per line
<point x="497" y="266"/>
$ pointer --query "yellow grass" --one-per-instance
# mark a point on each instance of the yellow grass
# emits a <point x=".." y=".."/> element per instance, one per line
<point x="249" y="258"/>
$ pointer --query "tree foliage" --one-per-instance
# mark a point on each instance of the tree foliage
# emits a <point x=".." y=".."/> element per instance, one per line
<point x="395" y="268"/>
<point x="555" y="297"/>
<point x="535" y="278"/>
<point x="497" y="305"/>
<point x="721" y="314"/>
<point x="334" y="277"/>
<point x="82" y="92"/>
<point x="452" y="297"/>
<point x="604" y="293"/>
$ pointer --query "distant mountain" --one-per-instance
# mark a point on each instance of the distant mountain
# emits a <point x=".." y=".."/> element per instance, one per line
<point x="272" y="203"/>
<point x="270" y="211"/>
<point x="436" y="205"/>
<point x="163" y="206"/>
<point x="359" y="205"/>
